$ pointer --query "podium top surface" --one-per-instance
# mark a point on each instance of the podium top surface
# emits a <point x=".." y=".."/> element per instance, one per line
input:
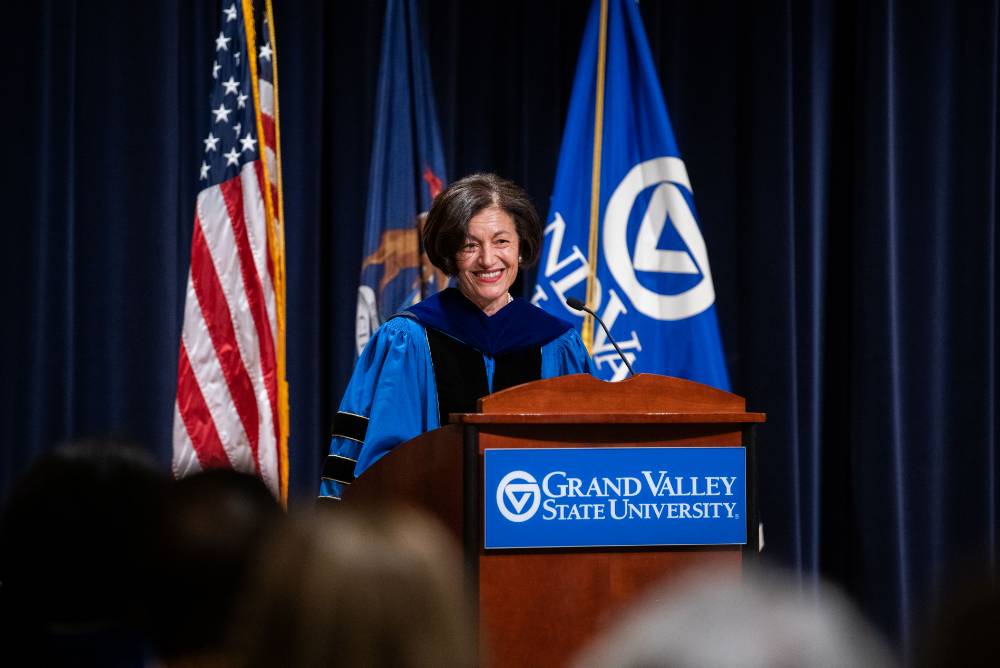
<point x="600" y="418"/>
<point x="581" y="398"/>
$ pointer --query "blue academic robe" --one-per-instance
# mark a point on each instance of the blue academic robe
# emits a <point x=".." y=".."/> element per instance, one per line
<point x="392" y="395"/>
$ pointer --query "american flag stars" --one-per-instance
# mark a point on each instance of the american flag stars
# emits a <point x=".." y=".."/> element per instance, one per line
<point x="249" y="143"/>
<point x="231" y="104"/>
<point x="222" y="114"/>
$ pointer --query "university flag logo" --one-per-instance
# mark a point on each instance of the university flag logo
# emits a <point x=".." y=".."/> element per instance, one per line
<point x="623" y="233"/>
<point x="407" y="172"/>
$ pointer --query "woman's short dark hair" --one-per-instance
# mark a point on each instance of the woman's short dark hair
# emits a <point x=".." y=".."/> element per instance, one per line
<point x="448" y="220"/>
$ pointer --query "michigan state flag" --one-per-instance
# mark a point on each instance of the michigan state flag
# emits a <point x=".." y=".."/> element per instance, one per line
<point x="622" y="232"/>
<point x="407" y="172"/>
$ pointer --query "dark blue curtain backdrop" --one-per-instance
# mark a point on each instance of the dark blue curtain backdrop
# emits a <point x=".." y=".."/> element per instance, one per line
<point x="844" y="162"/>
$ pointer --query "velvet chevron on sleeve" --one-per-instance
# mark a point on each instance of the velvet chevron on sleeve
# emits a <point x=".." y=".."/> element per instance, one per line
<point x="392" y="393"/>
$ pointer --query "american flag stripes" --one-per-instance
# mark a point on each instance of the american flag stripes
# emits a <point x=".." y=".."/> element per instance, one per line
<point x="232" y="406"/>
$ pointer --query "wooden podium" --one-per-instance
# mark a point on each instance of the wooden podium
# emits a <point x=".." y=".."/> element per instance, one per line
<point x="541" y="606"/>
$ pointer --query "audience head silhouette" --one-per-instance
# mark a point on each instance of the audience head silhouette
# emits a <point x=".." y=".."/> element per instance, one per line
<point x="758" y="621"/>
<point x="374" y="588"/>
<point x="212" y="526"/>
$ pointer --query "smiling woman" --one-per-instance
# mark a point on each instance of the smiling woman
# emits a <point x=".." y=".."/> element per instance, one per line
<point x="444" y="353"/>
<point x="488" y="261"/>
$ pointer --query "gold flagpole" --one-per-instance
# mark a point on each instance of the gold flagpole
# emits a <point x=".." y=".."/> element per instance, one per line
<point x="587" y="332"/>
<point x="275" y="232"/>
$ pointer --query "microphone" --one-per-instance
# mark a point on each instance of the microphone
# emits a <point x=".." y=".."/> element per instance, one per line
<point x="575" y="303"/>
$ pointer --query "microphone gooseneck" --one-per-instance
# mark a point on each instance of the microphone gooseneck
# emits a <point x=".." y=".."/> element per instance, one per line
<point x="575" y="303"/>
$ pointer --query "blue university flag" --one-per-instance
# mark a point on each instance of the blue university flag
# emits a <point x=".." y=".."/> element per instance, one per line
<point x="407" y="172"/>
<point x="622" y="231"/>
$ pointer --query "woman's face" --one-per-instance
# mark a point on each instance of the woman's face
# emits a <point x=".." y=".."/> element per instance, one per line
<point x="487" y="262"/>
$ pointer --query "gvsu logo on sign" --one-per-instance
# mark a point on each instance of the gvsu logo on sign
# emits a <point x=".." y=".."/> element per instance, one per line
<point x="518" y="496"/>
<point x="576" y="497"/>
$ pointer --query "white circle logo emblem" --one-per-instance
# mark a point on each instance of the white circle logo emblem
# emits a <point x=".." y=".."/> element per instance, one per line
<point x="520" y="490"/>
<point x="668" y="175"/>
<point x="366" y="320"/>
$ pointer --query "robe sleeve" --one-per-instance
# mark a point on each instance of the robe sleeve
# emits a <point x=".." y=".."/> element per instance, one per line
<point x="566" y="354"/>
<point x="390" y="399"/>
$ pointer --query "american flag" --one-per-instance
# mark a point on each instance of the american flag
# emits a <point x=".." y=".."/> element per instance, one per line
<point x="231" y="408"/>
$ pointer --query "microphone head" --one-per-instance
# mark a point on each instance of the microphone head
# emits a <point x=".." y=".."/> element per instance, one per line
<point x="575" y="303"/>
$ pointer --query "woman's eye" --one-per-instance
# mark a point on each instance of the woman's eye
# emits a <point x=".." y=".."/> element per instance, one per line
<point x="502" y="242"/>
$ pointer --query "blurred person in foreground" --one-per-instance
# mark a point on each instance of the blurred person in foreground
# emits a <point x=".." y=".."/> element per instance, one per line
<point x="442" y="354"/>
<point x="345" y="588"/>
<point x="76" y="542"/>
<point x="211" y="529"/>
<point x="763" y="621"/>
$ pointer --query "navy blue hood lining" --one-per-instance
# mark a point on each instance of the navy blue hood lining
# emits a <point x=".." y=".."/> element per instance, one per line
<point x="516" y="326"/>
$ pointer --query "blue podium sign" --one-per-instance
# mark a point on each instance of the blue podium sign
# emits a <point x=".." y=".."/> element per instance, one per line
<point x="607" y="497"/>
